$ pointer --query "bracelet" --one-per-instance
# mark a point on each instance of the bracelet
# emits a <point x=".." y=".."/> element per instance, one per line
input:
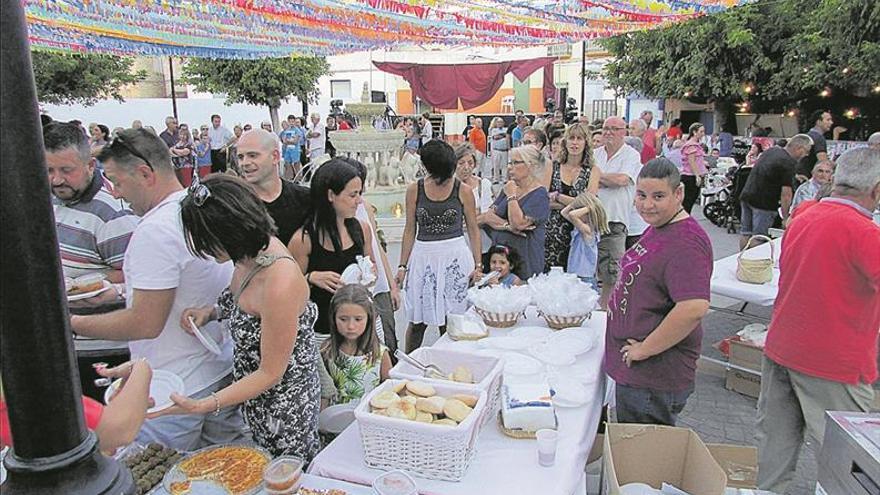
<point x="216" y="404"/>
<point x="512" y="198"/>
<point x="402" y="267"/>
<point x="309" y="278"/>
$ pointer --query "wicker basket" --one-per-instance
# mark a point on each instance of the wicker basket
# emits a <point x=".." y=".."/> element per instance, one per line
<point x="431" y="451"/>
<point x="487" y="372"/>
<point x="498" y="320"/>
<point x="560" y="322"/>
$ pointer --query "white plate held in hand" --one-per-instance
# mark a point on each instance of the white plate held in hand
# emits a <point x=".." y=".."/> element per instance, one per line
<point x="164" y="384"/>
<point x="206" y="340"/>
<point x="86" y="295"/>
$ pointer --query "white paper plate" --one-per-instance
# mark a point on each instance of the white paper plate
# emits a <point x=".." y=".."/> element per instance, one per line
<point x="570" y="343"/>
<point x="506" y="343"/>
<point x="336" y="418"/>
<point x="568" y="392"/>
<point x="552" y="355"/>
<point x="520" y="364"/>
<point x="206" y="340"/>
<point x="536" y="333"/>
<point x="86" y="295"/>
<point x="164" y="384"/>
<point x="581" y="371"/>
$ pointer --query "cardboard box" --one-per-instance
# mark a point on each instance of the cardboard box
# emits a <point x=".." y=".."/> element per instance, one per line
<point x="740" y="464"/>
<point x="744" y="375"/>
<point x="655" y="454"/>
<point x="746" y="355"/>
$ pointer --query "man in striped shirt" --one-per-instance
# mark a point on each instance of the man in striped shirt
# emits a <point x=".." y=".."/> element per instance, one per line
<point x="93" y="227"/>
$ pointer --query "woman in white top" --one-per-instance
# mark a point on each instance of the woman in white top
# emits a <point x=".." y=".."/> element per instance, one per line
<point x="466" y="162"/>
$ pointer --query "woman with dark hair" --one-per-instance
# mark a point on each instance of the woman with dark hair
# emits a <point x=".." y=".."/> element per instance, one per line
<point x="268" y="313"/>
<point x="569" y="176"/>
<point x="435" y="261"/>
<point x="555" y="146"/>
<point x="693" y="169"/>
<point x="755" y="151"/>
<point x="100" y="136"/>
<point x="654" y="333"/>
<point x="386" y="295"/>
<point x="332" y="238"/>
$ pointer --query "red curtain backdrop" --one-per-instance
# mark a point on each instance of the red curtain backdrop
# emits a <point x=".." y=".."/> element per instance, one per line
<point x="442" y="86"/>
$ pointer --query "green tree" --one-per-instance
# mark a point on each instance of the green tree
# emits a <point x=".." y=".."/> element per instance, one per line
<point x="63" y="78"/>
<point x="770" y="53"/>
<point x="266" y="82"/>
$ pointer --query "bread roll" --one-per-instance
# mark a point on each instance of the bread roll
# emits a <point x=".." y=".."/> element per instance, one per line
<point x="423" y="417"/>
<point x="420" y="389"/>
<point x="384" y="400"/>
<point x="463" y="374"/>
<point x="469" y="400"/>
<point x="410" y="399"/>
<point x="456" y="410"/>
<point x="399" y="386"/>
<point x="433" y="405"/>
<point x="445" y="422"/>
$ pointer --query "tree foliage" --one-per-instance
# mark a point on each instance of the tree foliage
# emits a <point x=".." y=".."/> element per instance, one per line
<point x="769" y="52"/>
<point x="258" y="82"/>
<point x="81" y="78"/>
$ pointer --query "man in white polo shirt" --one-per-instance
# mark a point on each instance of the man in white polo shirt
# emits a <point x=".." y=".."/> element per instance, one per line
<point x="162" y="279"/>
<point x="317" y="137"/>
<point x="620" y="165"/>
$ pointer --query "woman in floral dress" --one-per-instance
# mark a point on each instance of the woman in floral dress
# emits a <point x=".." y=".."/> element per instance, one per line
<point x="268" y="313"/>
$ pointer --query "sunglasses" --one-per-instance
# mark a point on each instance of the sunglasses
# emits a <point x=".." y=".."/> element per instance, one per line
<point x="131" y="149"/>
<point x="199" y="193"/>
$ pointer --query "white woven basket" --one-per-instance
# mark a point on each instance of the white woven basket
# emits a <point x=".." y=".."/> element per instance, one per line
<point x="486" y="369"/>
<point x="431" y="451"/>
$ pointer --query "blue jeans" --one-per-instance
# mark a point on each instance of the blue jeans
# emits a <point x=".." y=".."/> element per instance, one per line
<point x="647" y="406"/>
<point x="188" y="432"/>
<point x="755" y="220"/>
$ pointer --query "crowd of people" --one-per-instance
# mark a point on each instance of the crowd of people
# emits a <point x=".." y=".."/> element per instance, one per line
<point x="255" y="261"/>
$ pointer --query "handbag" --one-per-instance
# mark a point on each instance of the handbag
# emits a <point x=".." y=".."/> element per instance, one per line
<point x="755" y="271"/>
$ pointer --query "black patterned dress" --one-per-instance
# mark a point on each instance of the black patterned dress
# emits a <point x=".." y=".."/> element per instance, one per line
<point x="283" y="419"/>
<point x="558" y="240"/>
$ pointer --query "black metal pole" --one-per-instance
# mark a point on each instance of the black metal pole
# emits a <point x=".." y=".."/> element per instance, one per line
<point x="583" y="72"/>
<point x="173" y="92"/>
<point x="53" y="451"/>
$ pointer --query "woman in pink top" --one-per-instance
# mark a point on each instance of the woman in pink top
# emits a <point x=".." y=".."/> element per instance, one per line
<point x="693" y="170"/>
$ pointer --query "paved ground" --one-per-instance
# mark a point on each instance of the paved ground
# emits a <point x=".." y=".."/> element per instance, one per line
<point x="718" y="415"/>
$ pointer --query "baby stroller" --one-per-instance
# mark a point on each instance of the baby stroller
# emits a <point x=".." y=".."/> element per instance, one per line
<point x="724" y="210"/>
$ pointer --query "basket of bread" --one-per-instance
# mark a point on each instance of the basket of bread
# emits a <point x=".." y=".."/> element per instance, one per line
<point x="428" y="429"/>
<point x="562" y="299"/>
<point x="479" y="372"/>
<point x="499" y="306"/>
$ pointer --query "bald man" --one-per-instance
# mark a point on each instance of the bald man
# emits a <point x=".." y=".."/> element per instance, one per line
<point x="620" y="165"/>
<point x="259" y="157"/>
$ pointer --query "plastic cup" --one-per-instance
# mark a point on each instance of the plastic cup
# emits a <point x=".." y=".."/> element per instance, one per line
<point x="547" y="446"/>
<point x="282" y="475"/>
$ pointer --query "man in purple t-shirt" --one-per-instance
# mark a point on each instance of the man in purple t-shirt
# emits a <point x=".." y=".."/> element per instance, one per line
<point x="654" y="333"/>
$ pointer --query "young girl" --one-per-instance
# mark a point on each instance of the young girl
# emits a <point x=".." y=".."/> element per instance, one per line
<point x="590" y="221"/>
<point x="355" y="359"/>
<point x="504" y="260"/>
<point x="203" y="154"/>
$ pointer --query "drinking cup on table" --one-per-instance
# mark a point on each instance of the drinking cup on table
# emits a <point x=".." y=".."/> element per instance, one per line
<point x="547" y="446"/>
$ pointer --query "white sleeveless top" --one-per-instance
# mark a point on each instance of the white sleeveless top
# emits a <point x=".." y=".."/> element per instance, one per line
<point x="381" y="277"/>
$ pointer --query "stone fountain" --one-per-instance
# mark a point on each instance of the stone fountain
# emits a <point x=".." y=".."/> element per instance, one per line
<point x="380" y="151"/>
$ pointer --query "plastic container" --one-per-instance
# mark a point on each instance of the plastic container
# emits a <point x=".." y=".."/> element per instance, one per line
<point x="283" y="475"/>
<point x="395" y="483"/>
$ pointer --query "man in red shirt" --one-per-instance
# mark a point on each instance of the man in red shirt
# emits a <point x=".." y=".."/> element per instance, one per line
<point x="821" y="350"/>
<point x="477" y="138"/>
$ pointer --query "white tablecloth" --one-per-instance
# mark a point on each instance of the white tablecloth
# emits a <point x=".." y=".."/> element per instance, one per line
<point x="502" y="465"/>
<point x="724" y="282"/>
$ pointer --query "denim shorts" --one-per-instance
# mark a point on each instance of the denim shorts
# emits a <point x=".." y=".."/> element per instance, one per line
<point x="755" y="220"/>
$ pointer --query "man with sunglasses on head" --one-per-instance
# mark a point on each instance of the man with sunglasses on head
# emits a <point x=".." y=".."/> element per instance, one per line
<point x="162" y="278"/>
